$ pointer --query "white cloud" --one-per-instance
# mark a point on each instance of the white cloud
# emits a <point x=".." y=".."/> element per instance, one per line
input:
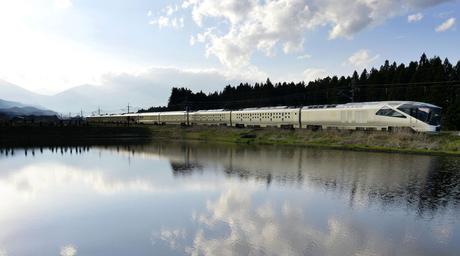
<point x="274" y="227"/>
<point x="170" y="9"/>
<point x="172" y="236"/>
<point x="165" y="21"/>
<point x="149" y="13"/>
<point x="414" y="17"/>
<point x="41" y="59"/>
<point x="446" y="25"/>
<point x="168" y="19"/>
<point x="62" y="4"/>
<point x="192" y="40"/>
<point x="362" y="59"/>
<point x="304" y="57"/>
<point x="311" y="74"/>
<point x="251" y="25"/>
<point x="48" y="64"/>
<point x="68" y="250"/>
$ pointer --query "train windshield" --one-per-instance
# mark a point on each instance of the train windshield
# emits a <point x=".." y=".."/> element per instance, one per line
<point x="426" y="114"/>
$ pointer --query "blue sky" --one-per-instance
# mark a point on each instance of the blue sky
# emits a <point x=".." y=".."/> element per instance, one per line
<point x="49" y="46"/>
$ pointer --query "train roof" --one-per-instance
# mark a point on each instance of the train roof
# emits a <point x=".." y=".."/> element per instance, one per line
<point x="382" y="103"/>
<point x="373" y="104"/>
<point x="172" y="113"/>
<point x="210" y="110"/>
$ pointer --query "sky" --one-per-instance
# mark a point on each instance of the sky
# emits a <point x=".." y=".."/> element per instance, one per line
<point x="48" y="46"/>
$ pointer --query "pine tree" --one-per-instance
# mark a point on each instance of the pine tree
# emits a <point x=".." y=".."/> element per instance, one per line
<point x="390" y="82"/>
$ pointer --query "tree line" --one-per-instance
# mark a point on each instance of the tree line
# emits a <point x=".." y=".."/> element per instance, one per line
<point x="430" y="80"/>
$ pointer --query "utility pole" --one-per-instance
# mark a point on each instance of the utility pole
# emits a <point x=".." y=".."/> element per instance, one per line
<point x="187" y="110"/>
<point x="81" y="113"/>
<point x="128" y="113"/>
<point x="98" y="111"/>
<point x="353" y="82"/>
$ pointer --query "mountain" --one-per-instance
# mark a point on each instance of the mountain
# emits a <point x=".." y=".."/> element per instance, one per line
<point x="27" y="111"/>
<point x="12" y="109"/>
<point x="12" y="92"/>
<point x="89" y="98"/>
<point x="10" y="104"/>
<point x="149" y="88"/>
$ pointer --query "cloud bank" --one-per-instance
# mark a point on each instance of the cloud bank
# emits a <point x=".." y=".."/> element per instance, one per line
<point x="247" y="26"/>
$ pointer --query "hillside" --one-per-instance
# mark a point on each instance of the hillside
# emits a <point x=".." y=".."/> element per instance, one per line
<point x="13" y="109"/>
<point x="151" y="87"/>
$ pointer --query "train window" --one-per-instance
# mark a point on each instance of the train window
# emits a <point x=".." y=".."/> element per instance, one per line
<point x="385" y="111"/>
<point x="430" y="115"/>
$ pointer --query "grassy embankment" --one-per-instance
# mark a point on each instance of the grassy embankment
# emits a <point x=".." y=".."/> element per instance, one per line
<point x="443" y="143"/>
<point x="405" y="142"/>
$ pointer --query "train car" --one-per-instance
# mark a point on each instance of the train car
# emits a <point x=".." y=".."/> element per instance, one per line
<point x="174" y="117"/>
<point x="282" y="117"/>
<point x="104" y="119"/>
<point x="210" y="117"/>
<point x="384" y="115"/>
<point x="148" y="118"/>
<point x="114" y="119"/>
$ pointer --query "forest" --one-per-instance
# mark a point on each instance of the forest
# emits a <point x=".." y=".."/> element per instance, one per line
<point x="430" y="80"/>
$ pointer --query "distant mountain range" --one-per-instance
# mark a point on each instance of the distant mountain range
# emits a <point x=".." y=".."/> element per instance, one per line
<point x="13" y="109"/>
<point x="86" y="97"/>
<point x="89" y="98"/>
<point x="150" y="88"/>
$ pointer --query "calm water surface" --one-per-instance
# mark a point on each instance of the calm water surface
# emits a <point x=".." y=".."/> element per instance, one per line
<point x="199" y="199"/>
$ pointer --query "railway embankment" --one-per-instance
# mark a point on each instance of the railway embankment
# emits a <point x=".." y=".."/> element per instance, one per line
<point x="444" y="143"/>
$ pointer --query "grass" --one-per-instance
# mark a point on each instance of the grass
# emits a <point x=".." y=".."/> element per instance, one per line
<point x="405" y="142"/>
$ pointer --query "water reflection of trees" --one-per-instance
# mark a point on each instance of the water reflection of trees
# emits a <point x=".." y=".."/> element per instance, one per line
<point x="10" y="152"/>
<point x="425" y="184"/>
<point x="428" y="184"/>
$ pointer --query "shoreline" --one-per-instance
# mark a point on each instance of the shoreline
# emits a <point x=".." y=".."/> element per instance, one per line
<point x="400" y="142"/>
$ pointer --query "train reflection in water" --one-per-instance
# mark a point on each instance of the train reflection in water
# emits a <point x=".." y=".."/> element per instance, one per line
<point x="202" y="199"/>
<point x="425" y="184"/>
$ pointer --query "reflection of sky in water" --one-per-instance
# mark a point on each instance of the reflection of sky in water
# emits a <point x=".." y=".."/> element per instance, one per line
<point x="226" y="200"/>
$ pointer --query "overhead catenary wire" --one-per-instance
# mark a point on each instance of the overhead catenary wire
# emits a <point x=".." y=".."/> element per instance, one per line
<point x="301" y="95"/>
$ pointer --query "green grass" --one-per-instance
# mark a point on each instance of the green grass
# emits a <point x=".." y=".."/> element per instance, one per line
<point x="405" y="142"/>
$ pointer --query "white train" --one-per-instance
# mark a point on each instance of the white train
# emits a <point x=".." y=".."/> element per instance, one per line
<point x="382" y="115"/>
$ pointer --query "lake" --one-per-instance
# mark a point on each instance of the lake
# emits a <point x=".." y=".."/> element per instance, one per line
<point x="204" y="199"/>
